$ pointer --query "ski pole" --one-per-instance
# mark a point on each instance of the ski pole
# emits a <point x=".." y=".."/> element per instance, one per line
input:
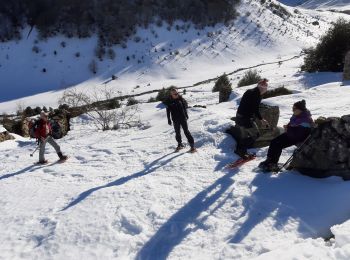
<point x="296" y="151"/>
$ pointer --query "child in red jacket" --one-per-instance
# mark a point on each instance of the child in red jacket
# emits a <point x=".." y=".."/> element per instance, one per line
<point x="43" y="134"/>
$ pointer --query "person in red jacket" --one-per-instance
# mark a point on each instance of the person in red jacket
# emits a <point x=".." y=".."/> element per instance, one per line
<point x="43" y="134"/>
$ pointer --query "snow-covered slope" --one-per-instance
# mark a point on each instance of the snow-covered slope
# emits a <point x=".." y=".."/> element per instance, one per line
<point x="159" y="59"/>
<point x="126" y="195"/>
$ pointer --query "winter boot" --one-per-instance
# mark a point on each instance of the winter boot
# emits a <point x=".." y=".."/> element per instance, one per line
<point x="192" y="149"/>
<point x="244" y="154"/>
<point x="179" y="147"/>
<point x="42" y="162"/>
<point x="62" y="157"/>
<point x="264" y="164"/>
<point x="268" y="166"/>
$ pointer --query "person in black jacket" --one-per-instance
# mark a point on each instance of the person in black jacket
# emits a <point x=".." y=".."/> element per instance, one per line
<point x="177" y="113"/>
<point x="247" y="112"/>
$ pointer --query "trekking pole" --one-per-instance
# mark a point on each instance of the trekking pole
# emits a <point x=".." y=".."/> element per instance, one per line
<point x="294" y="153"/>
<point x="31" y="155"/>
<point x="38" y="142"/>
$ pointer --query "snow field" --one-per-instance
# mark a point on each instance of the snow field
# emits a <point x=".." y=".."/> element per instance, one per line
<point x="126" y="195"/>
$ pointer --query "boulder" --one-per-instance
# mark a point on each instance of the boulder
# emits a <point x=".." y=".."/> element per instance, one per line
<point x="4" y="136"/>
<point x="271" y="114"/>
<point x="327" y="151"/>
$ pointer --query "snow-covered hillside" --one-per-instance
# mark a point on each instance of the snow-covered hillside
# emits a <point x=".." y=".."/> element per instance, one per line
<point x="157" y="57"/>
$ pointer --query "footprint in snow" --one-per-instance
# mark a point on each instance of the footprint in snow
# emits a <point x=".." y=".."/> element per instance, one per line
<point x="128" y="226"/>
<point x="46" y="230"/>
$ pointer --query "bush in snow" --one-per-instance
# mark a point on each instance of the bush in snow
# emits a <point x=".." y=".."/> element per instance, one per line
<point x="93" y="66"/>
<point x="329" y="53"/>
<point x="131" y="101"/>
<point x="111" y="54"/>
<point x="36" y="49"/>
<point x="163" y="94"/>
<point x="28" y="112"/>
<point x="100" y="52"/>
<point x="280" y="91"/>
<point x="152" y="99"/>
<point x="224" y="87"/>
<point x="222" y="81"/>
<point x="249" y="78"/>
<point x="37" y="110"/>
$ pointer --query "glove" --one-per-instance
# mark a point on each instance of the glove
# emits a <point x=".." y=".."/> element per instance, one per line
<point x="169" y="122"/>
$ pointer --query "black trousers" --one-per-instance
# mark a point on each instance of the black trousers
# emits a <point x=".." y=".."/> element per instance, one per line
<point x="277" y="145"/>
<point x="184" y="125"/>
<point x="249" y="132"/>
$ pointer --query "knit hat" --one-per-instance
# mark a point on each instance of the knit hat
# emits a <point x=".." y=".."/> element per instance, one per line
<point x="301" y="105"/>
<point x="262" y="85"/>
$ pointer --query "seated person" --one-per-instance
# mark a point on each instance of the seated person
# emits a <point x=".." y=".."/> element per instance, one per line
<point x="297" y="130"/>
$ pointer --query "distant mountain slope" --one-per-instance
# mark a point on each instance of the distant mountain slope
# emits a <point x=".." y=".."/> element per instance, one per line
<point x="319" y="4"/>
<point x="328" y="4"/>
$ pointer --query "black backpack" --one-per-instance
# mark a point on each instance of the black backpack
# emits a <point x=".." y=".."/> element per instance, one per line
<point x="56" y="129"/>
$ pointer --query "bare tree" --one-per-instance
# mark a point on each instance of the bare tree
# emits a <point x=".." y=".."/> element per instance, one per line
<point x="20" y="107"/>
<point x="103" y="108"/>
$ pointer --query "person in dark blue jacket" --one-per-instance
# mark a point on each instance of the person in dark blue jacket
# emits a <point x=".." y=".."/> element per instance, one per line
<point x="176" y="109"/>
<point x="297" y="130"/>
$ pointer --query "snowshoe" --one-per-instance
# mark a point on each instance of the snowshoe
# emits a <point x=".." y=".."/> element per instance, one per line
<point x="240" y="161"/>
<point x="42" y="162"/>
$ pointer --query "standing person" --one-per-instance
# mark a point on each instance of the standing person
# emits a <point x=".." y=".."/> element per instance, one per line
<point x="177" y="113"/>
<point x="297" y="130"/>
<point x="247" y="111"/>
<point x="43" y="134"/>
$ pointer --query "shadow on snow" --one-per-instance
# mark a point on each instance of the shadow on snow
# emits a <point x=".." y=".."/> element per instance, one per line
<point x="149" y="168"/>
<point x="317" y="204"/>
<point x="186" y="220"/>
<point x="27" y="169"/>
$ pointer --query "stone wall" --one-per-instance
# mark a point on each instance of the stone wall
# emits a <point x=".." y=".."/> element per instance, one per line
<point x="346" y="74"/>
<point x="327" y="151"/>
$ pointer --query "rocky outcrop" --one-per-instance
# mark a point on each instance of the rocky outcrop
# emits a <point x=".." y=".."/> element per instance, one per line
<point x="4" y="136"/>
<point x="327" y="151"/>
<point x="346" y="74"/>
<point x="271" y="114"/>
